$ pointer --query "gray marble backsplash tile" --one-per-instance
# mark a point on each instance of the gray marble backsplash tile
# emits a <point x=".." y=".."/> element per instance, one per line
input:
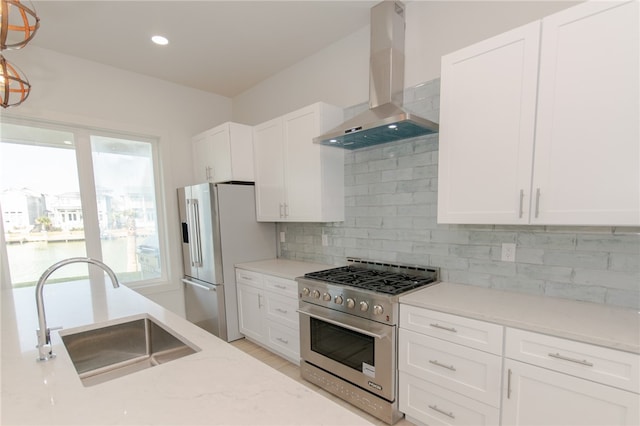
<point x="391" y="209"/>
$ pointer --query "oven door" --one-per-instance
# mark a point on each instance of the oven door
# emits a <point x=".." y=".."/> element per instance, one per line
<point x="355" y="349"/>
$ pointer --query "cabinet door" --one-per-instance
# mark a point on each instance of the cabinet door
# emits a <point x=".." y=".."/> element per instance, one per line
<point x="202" y="150"/>
<point x="536" y="396"/>
<point x="269" y="174"/>
<point x="487" y="119"/>
<point x="221" y="156"/>
<point x="302" y="164"/>
<point x="587" y="159"/>
<point x="250" y="315"/>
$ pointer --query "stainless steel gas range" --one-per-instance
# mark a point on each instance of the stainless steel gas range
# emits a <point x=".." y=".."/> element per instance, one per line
<point x="349" y="330"/>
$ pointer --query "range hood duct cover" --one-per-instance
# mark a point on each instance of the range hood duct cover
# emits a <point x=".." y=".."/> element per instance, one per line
<point x="385" y="120"/>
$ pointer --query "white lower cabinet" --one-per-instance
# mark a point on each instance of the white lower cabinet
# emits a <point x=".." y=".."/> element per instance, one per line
<point x="434" y="405"/>
<point x="553" y="381"/>
<point x="267" y="311"/>
<point x="446" y="380"/>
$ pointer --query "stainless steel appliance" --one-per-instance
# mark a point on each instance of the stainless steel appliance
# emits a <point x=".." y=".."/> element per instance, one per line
<point x="385" y="120"/>
<point x="219" y="229"/>
<point x="349" y="327"/>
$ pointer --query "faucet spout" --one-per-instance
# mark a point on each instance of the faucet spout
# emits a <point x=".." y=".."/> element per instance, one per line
<point x="45" y="350"/>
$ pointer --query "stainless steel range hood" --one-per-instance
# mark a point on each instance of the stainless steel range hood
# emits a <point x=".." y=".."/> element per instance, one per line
<point x="386" y="120"/>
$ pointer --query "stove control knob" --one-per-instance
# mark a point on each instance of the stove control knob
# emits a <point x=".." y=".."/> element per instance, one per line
<point x="364" y="306"/>
<point x="316" y="294"/>
<point x="339" y="300"/>
<point x="351" y="303"/>
<point x="377" y="310"/>
<point x="305" y="291"/>
<point x="326" y="297"/>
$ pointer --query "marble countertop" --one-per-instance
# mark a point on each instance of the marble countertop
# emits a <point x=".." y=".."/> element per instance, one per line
<point x="284" y="268"/>
<point x="604" y="325"/>
<point x="217" y="385"/>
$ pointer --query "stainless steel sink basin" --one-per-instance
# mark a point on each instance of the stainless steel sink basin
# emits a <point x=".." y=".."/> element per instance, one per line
<point x="107" y="352"/>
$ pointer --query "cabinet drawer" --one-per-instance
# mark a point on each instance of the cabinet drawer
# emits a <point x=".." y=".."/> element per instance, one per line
<point x="434" y="405"/>
<point x="284" y="340"/>
<point x="464" y="331"/>
<point x="473" y="373"/>
<point x="249" y="277"/>
<point x="282" y="309"/>
<point x="603" y="365"/>
<point x="281" y="286"/>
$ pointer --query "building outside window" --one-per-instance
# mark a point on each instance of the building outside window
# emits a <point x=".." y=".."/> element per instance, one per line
<point x="72" y="191"/>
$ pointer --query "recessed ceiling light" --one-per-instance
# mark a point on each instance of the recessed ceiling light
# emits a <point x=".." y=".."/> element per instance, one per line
<point x="162" y="41"/>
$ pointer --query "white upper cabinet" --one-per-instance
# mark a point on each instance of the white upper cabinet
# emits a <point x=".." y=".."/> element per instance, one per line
<point x="539" y="125"/>
<point x="487" y="121"/>
<point x="587" y="152"/>
<point x="297" y="180"/>
<point x="224" y="153"/>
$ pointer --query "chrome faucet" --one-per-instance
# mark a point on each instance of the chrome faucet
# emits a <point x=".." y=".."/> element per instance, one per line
<point x="44" y="334"/>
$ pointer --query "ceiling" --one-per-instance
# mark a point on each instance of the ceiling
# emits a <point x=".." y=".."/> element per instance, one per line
<point x="223" y="47"/>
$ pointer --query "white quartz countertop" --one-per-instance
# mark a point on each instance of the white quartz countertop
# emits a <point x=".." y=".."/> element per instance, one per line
<point x="609" y="326"/>
<point x="284" y="268"/>
<point x="219" y="385"/>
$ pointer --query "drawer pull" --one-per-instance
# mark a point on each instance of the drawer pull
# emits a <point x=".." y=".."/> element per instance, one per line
<point x="441" y="411"/>
<point x="282" y="311"/>
<point x="439" y="364"/>
<point x="442" y="327"/>
<point x="280" y="286"/>
<point x="280" y="339"/>
<point x="509" y="384"/>
<point x="566" y="358"/>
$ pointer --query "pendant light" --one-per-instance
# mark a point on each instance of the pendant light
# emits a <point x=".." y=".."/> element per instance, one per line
<point x="18" y="25"/>
<point x="14" y="86"/>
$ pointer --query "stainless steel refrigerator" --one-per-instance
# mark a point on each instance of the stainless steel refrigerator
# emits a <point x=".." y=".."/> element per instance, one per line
<point x="219" y="229"/>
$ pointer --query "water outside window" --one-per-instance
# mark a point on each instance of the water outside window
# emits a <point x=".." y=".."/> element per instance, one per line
<point x="123" y="172"/>
<point x="41" y="200"/>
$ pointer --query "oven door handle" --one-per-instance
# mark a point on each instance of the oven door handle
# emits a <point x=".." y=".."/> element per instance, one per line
<point x="340" y="324"/>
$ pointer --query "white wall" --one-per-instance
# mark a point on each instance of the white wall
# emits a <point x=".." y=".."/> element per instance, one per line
<point x="72" y="90"/>
<point x="339" y="74"/>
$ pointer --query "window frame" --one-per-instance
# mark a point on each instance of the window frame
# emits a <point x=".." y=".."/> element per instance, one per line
<point x="84" y="166"/>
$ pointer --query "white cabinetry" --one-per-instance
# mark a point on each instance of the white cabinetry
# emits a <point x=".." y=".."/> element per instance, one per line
<point x="552" y="381"/>
<point x="450" y="368"/>
<point x="267" y="310"/>
<point x="540" y="124"/>
<point x="223" y="154"/>
<point x="297" y="180"/>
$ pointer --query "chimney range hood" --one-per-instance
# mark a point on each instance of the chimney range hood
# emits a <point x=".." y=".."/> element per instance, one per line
<point x="385" y="120"/>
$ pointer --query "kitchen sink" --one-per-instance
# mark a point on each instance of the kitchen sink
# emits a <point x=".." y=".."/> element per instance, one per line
<point x="111" y="351"/>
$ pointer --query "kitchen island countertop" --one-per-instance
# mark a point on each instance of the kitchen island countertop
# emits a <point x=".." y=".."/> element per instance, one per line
<point x="217" y="385"/>
<point x="604" y="325"/>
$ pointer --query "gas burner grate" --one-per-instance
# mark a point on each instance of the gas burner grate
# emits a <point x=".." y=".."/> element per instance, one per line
<point x="379" y="281"/>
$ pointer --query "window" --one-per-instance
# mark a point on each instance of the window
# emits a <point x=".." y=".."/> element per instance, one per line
<point x="68" y="192"/>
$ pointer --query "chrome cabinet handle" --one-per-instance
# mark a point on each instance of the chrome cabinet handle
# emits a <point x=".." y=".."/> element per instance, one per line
<point x="280" y="339"/>
<point x="282" y="311"/>
<point x="537" y="202"/>
<point x="566" y="358"/>
<point x="281" y="210"/>
<point x="509" y="383"/>
<point x="521" y="211"/>
<point x="442" y="327"/>
<point x="286" y="210"/>
<point x="441" y="411"/>
<point x="280" y="286"/>
<point x="439" y="364"/>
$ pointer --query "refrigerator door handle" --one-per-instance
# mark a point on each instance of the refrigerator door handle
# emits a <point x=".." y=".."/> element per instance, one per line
<point x="195" y="284"/>
<point x="196" y="254"/>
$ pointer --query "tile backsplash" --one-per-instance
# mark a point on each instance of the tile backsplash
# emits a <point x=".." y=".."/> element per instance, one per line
<point x="391" y="196"/>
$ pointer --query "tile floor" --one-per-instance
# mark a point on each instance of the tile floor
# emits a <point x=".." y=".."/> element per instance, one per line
<point x="293" y="371"/>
